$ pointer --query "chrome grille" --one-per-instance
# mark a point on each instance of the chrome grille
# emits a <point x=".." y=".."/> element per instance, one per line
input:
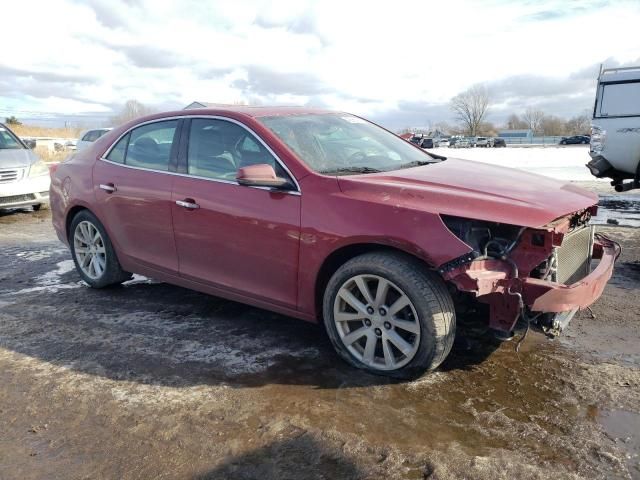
<point x="16" y="199"/>
<point x="10" y="175"/>
<point x="574" y="256"/>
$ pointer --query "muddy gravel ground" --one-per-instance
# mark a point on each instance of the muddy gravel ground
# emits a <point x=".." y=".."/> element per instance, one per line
<point x="154" y="381"/>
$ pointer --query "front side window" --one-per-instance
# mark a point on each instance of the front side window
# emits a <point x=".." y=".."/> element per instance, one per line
<point x="8" y="141"/>
<point x="340" y="144"/>
<point x="218" y="148"/>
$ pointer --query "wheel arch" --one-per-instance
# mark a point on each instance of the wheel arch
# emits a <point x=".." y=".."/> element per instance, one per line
<point x="73" y="211"/>
<point x="342" y="255"/>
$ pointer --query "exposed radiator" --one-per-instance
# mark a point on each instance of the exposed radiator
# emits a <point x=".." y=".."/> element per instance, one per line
<point x="574" y="256"/>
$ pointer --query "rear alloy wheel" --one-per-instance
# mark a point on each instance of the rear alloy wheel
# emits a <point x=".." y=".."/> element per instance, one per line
<point x="386" y="313"/>
<point x="93" y="253"/>
<point x="90" y="251"/>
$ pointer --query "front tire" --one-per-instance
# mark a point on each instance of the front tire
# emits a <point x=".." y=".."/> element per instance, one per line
<point x="93" y="252"/>
<point x="386" y="313"/>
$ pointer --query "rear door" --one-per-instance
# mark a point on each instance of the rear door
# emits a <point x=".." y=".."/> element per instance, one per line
<point x="238" y="238"/>
<point x="133" y="192"/>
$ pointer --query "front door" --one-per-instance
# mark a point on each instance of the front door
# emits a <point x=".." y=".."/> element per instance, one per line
<point x="238" y="238"/>
<point x="133" y="193"/>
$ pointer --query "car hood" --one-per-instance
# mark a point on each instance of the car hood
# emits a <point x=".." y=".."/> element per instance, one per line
<point x="19" y="158"/>
<point x="475" y="190"/>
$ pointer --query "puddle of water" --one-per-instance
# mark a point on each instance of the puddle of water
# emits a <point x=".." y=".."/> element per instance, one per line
<point x="618" y="210"/>
<point x="623" y="427"/>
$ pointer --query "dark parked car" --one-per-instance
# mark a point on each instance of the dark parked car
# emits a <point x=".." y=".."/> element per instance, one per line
<point x="427" y="143"/>
<point x="576" y="139"/>
<point x="496" y="142"/>
<point x="329" y="218"/>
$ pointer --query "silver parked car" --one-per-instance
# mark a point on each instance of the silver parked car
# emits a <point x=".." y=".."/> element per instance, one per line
<point x="24" y="177"/>
<point x="89" y="136"/>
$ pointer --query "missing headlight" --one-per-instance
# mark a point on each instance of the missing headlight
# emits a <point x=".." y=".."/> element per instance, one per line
<point x="485" y="238"/>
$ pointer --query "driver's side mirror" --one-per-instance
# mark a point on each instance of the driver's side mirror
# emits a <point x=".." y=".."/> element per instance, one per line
<point x="260" y="175"/>
<point x="30" y="143"/>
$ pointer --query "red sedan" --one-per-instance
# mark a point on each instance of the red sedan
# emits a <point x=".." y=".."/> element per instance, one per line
<point x="330" y="218"/>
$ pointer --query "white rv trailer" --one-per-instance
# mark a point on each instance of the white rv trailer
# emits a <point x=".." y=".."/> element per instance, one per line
<point x="615" y="129"/>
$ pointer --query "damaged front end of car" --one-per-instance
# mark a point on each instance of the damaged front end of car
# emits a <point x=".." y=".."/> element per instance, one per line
<point x="544" y="274"/>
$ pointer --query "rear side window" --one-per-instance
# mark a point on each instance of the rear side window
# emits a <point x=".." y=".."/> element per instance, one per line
<point x="620" y="99"/>
<point x="148" y="146"/>
<point x="118" y="152"/>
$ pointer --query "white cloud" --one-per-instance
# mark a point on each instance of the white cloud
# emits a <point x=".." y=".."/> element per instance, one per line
<point x="371" y="58"/>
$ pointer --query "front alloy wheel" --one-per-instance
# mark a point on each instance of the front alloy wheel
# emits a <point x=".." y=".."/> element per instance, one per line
<point x="376" y="322"/>
<point x="387" y="313"/>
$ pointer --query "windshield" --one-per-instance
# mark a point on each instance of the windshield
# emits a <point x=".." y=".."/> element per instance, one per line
<point x="7" y="140"/>
<point x="343" y="144"/>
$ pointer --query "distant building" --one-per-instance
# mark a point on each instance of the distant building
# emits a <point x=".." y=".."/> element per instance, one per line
<point x="193" y="105"/>
<point x="525" y="133"/>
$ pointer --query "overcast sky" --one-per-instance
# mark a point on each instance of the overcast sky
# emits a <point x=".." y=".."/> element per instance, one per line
<point x="398" y="63"/>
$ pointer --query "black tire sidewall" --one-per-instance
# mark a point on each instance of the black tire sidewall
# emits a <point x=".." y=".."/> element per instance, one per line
<point x="427" y="347"/>
<point x="113" y="273"/>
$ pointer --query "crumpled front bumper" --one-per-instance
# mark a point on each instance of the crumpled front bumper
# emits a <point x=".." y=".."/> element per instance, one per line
<point x="543" y="296"/>
<point x="492" y="283"/>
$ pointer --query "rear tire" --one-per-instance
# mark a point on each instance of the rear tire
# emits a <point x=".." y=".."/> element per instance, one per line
<point x="386" y="313"/>
<point x="93" y="252"/>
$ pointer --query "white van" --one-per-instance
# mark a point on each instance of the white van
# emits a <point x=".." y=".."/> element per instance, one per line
<point x="615" y="130"/>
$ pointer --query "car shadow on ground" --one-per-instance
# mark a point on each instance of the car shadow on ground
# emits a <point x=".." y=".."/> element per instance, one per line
<point x="299" y="457"/>
<point x="15" y="212"/>
<point x="159" y="334"/>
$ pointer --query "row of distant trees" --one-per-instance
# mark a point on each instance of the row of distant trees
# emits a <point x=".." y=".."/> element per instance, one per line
<point x="470" y="108"/>
<point x="130" y="110"/>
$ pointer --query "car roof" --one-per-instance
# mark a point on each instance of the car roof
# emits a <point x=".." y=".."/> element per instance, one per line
<point x="260" y="111"/>
<point x="237" y="110"/>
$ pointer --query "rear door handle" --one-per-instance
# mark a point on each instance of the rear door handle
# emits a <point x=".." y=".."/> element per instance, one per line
<point x="188" y="203"/>
<point x="108" y="187"/>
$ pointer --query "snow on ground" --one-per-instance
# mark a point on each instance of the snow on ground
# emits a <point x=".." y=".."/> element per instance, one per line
<point x="563" y="163"/>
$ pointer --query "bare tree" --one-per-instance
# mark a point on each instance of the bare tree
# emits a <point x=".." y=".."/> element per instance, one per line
<point x="488" y="129"/>
<point x="552" y="125"/>
<point x="471" y="107"/>
<point x="442" y="127"/>
<point x="515" y="123"/>
<point x="131" y="109"/>
<point x="533" y="118"/>
<point x="578" y="125"/>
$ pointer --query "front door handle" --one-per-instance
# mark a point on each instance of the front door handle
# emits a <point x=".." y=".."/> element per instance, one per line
<point x="188" y="203"/>
<point x="108" y="187"/>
